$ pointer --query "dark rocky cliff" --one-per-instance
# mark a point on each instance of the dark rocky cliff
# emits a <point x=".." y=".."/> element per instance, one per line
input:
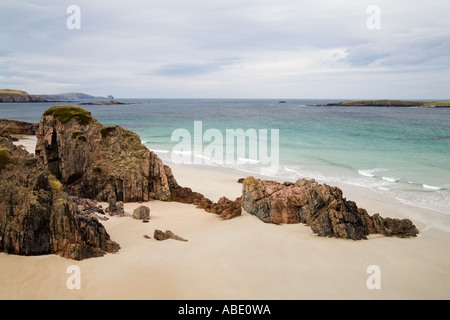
<point x="37" y="217"/>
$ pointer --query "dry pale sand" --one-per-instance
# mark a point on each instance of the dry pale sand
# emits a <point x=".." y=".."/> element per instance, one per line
<point x="243" y="258"/>
<point x="26" y="141"/>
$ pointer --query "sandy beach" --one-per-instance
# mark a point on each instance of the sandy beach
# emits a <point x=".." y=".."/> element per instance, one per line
<point x="242" y="258"/>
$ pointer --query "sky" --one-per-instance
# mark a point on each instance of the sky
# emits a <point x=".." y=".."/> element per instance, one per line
<point x="310" y="49"/>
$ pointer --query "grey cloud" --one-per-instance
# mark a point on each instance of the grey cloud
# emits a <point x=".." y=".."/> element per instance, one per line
<point x="419" y="48"/>
<point x="187" y="39"/>
<point x="190" y="69"/>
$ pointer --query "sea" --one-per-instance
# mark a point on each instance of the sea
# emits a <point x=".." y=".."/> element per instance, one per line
<point x="402" y="153"/>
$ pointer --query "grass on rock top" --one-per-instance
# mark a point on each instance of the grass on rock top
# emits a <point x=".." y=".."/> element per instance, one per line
<point x="11" y="91"/>
<point x="65" y="113"/>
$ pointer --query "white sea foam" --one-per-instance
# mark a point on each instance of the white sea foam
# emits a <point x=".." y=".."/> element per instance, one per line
<point x="182" y="152"/>
<point x="431" y="187"/>
<point x="268" y="172"/>
<point x="370" y="172"/>
<point x="207" y="160"/>
<point x="250" y="161"/>
<point x="366" y="173"/>
<point x="160" y="151"/>
<point x="390" y="179"/>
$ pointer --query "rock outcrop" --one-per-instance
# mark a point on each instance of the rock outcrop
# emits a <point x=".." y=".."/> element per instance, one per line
<point x="224" y="208"/>
<point x="141" y="213"/>
<point x="321" y="207"/>
<point x="103" y="103"/>
<point x="109" y="163"/>
<point x="37" y="217"/>
<point x="160" y="236"/>
<point x="18" y="127"/>
<point x="98" y="162"/>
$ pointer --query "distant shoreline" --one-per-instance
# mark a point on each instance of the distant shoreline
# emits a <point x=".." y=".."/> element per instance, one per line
<point x="19" y="96"/>
<point x="389" y="103"/>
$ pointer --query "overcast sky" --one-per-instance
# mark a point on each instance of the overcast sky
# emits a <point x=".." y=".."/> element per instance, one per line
<point x="228" y="48"/>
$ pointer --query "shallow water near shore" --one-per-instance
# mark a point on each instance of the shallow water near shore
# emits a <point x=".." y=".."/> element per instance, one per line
<point x="401" y="153"/>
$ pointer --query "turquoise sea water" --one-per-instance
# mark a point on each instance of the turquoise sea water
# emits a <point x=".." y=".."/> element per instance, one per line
<point x="400" y="152"/>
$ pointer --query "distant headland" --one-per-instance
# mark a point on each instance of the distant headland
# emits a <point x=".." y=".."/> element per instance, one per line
<point x="18" y="96"/>
<point x="11" y="96"/>
<point x="390" y="103"/>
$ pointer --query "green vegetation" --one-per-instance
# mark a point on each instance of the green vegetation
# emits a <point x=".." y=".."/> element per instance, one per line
<point x="10" y="91"/>
<point x="105" y="131"/>
<point x="394" y="103"/>
<point x="97" y="169"/>
<point x="55" y="184"/>
<point x="76" y="134"/>
<point x="5" y="157"/>
<point x="30" y="162"/>
<point x="135" y="143"/>
<point x="79" y="135"/>
<point x="65" y="113"/>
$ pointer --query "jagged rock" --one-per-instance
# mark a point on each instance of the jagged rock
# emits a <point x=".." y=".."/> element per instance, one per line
<point x="94" y="161"/>
<point x="112" y="205"/>
<point x="392" y="227"/>
<point x="146" y="236"/>
<point x="120" y="209"/>
<point x="142" y="213"/>
<point x="228" y="209"/>
<point x="321" y="207"/>
<point x="37" y="217"/>
<point x="87" y="206"/>
<point x="18" y="127"/>
<point x="225" y="208"/>
<point x="160" y="236"/>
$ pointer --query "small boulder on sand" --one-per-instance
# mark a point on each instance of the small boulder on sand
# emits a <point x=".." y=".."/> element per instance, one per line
<point x="142" y="213"/>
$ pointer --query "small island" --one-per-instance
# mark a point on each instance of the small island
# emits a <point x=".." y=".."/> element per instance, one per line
<point x="390" y="103"/>
<point x="103" y="103"/>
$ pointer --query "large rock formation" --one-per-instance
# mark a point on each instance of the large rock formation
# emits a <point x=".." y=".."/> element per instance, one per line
<point x="36" y="217"/>
<point x="321" y="207"/>
<point x="96" y="161"/>
<point x="109" y="163"/>
<point x="18" y="127"/>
